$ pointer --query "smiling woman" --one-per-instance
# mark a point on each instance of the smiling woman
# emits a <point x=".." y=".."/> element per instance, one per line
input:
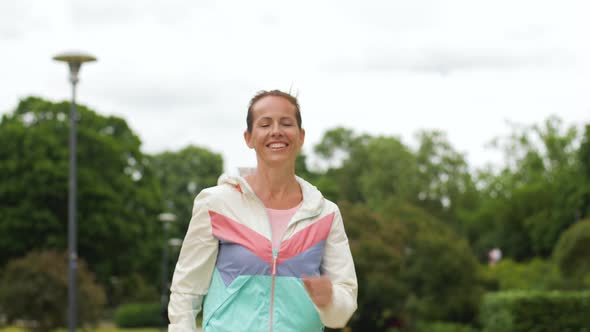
<point x="266" y="251"/>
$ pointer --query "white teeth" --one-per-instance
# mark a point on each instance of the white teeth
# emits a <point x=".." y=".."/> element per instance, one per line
<point x="277" y="145"/>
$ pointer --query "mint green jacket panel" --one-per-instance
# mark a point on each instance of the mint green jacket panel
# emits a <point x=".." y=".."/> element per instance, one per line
<point x="293" y="307"/>
<point x="244" y="305"/>
<point x="241" y="306"/>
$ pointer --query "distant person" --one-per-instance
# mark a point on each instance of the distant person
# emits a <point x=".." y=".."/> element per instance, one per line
<point x="494" y="256"/>
<point x="265" y="251"/>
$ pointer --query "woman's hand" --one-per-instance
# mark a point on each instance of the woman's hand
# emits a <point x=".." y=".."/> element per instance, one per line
<point x="319" y="290"/>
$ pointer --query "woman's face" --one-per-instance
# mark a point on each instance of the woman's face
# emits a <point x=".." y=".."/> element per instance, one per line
<point x="275" y="134"/>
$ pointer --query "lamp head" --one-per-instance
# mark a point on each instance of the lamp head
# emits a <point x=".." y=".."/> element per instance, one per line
<point x="167" y="217"/>
<point x="74" y="59"/>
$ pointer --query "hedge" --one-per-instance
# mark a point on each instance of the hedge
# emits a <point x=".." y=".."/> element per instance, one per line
<point x="522" y="311"/>
<point x="139" y="315"/>
<point x="442" y="327"/>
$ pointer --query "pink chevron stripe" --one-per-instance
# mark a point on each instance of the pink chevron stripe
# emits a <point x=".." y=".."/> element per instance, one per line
<point x="230" y="230"/>
<point x="306" y="238"/>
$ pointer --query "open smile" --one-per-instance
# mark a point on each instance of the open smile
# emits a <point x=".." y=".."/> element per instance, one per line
<point x="277" y="146"/>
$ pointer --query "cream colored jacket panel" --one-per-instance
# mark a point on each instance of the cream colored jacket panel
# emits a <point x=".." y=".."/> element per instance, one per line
<point x="338" y="265"/>
<point x="194" y="268"/>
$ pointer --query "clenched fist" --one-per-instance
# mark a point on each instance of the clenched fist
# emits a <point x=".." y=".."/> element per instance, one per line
<point x="319" y="290"/>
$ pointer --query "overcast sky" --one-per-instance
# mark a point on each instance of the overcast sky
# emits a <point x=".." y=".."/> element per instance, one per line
<point x="182" y="72"/>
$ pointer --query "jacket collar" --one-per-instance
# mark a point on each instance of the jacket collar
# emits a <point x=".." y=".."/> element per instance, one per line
<point x="313" y="200"/>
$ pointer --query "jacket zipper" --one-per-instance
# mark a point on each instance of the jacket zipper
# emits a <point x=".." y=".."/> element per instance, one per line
<point x="275" y="254"/>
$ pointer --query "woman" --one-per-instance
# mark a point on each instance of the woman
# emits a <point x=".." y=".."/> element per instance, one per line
<point x="265" y="252"/>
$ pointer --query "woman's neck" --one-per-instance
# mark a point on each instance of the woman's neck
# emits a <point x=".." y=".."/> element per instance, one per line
<point x="277" y="188"/>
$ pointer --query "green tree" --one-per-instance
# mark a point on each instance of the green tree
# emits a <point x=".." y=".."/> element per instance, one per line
<point x="389" y="169"/>
<point x="182" y="175"/>
<point x="446" y="187"/>
<point x="535" y="196"/>
<point x="584" y="156"/>
<point x="419" y="203"/>
<point x="343" y="152"/>
<point x="441" y="273"/>
<point x="118" y="196"/>
<point x="411" y="264"/>
<point x="368" y="169"/>
<point x="411" y="267"/>
<point x="378" y="249"/>
<point x="372" y="169"/>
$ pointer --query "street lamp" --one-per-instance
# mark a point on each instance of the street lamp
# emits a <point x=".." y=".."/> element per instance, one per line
<point x="74" y="61"/>
<point x="166" y="218"/>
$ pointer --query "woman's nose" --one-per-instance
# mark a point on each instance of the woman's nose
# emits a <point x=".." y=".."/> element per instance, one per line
<point x="275" y="129"/>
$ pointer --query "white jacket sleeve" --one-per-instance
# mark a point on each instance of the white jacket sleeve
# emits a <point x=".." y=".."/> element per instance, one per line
<point x="337" y="264"/>
<point x="193" y="271"/>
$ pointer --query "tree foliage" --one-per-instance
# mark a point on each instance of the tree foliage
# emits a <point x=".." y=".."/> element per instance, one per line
<point x="410" y="267"/>
<point x="534" y="197"/>
<point x="377" y="248"/>
<point x="182" y="175"/>
<point x="118" y="196"/>
<point x="446" y="187"/>
<point x="420" y="202"/>
<point x="372" y="169"/>
<point x="584" y="184"/>
<point x="417" y="216"/>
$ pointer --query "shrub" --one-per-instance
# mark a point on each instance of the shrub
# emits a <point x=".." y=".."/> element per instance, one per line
<point x="536" y="274"/>
<point x="132" y="289"/>
<point x="139" y="315"/>
<point x="442" y="327"/>
<point x="34" y="290"/>
<point x="572" y="254"/>
<point x="521" y="311"/>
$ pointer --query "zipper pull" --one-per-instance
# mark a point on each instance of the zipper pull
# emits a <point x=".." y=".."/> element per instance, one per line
<point x="275" y="253"/>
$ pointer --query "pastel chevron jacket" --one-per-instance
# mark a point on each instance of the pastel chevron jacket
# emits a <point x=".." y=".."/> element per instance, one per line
<point x="228" y="268"/>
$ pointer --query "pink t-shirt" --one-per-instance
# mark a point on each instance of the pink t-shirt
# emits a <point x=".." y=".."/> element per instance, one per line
<point x="279" y="220"/>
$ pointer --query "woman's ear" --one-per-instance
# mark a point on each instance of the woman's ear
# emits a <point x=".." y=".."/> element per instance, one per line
<point x="302" y="137"/>
<point x="247" y="137"/>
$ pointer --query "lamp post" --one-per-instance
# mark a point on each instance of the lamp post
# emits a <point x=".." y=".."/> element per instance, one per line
<point x="166" y="218"/>
<point x="74" y="61"/>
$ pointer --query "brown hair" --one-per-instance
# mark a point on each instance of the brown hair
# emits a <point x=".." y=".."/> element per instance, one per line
<point x="275" y="93"/>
